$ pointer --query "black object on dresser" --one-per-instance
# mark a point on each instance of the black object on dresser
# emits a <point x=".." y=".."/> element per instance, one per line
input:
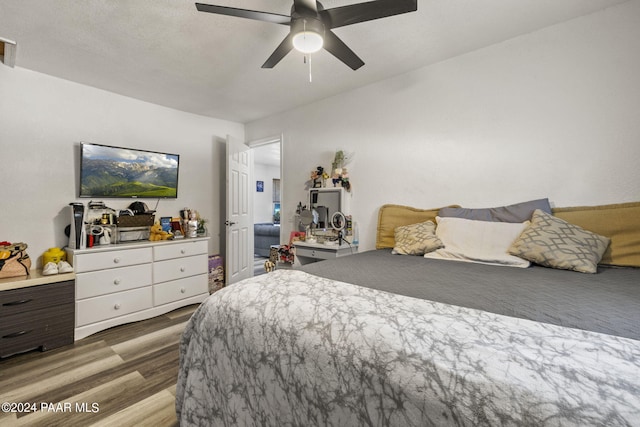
<point x="40" y="316"/>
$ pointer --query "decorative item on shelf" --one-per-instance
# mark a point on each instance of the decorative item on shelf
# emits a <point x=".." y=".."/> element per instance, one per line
<point x="335" y="178"/>
<point x="184" y="217"/>
<point x="316" y="177"/>
<point x="176" y="228"/>
<point x="54" y="255"/>
<point x="201" y="229"/>
<point x="165" y="223"/>
<point x="340" y="175"/>
<point x="296" y="236"/>
<point x="192" y="225"/>
<point x="344" y="176"/>
<point x="156" y="233"/>
<point x="325" y="177"/>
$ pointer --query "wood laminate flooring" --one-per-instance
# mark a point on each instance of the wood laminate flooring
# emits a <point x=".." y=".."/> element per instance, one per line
<point x="124" y="376"/>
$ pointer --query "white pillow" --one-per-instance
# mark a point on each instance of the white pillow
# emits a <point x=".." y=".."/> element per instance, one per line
<point x="478" y="241"/>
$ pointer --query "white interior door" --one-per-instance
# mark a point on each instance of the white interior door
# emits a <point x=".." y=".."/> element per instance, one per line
<point x="239" y="219"/>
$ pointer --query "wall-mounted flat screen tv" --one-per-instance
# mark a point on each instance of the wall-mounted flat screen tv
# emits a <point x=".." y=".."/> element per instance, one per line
<point x="117" y="172"/>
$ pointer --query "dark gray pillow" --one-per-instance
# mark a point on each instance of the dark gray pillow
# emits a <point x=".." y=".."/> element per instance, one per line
<point x="519" y="212"/>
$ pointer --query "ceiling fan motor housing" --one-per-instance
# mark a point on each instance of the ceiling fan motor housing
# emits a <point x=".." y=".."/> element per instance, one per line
<point x="307" y="23"/>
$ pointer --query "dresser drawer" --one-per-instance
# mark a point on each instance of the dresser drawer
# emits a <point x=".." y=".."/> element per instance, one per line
<point x="45" y="328"/>
<point x="315" y="253"/>
<point x="175" y="290"/>
<point x="35" y="297"/>
<point x="182" y="249"/>
<point x="164" y="271"/>
<point x="95" y="283"/>
<point x="113" y="305"/>
<point x="109" y="259"/>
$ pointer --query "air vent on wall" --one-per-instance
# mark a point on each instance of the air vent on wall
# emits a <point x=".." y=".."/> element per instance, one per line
<point x="8" y="52"/>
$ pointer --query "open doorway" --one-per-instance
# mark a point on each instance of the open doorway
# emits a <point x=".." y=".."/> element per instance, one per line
<point x="266" y="199"/>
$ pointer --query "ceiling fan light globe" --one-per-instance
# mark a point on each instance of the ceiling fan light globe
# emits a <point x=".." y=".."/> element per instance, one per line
<point x="308" y="42"/>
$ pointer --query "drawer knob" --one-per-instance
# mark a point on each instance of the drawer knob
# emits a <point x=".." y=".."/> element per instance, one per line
<point x="116" y="260"/>
<point x="182" y="269"/>
<point x="183" y="290"/>
<point x="116" y="282"/>
<point x="183" y="251"/>
<point x="313" y="253"/>
<point x="117" y="306"/>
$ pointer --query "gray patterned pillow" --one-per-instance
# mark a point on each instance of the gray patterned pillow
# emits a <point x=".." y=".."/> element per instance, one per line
<point x="416" y="239"/>
<point x="553" y="242"/>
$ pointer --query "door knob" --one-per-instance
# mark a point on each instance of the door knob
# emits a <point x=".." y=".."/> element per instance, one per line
<point x="229" y="222"/>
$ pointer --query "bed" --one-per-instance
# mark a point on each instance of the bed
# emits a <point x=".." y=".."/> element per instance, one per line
<point x="384" y="339"/>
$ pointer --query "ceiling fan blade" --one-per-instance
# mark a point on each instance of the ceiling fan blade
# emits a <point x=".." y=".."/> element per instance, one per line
<point x="280" y="52"/>
<point x="244" y="13"/>
<point x="362" y="12"/>
<point x="337" y="48"/>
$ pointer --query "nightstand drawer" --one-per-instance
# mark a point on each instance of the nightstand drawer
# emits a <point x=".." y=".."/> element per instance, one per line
<point x="108" y="306"/>
<point x="175" y="290"/>
<point x="95" y="283"/>
<point x="103" y="260"/>
<point x="46" y="328"/>
<point x="315" y="253"/>
<point x="35" y="297"/>
<point x="164" y="271"/>
<point x="182" y="249"/>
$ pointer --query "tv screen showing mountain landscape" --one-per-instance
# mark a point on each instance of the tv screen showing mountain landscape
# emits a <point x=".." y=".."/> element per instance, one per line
<point x="107" y="171"/>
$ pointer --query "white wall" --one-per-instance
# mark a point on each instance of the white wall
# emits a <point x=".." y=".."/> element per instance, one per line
<point x="554" y="113"/>
<point x="42" y="121"/>
<point x="263" y="202"/>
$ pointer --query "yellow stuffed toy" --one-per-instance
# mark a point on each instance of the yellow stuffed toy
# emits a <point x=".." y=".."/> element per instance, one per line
<point x="157" y="233"/>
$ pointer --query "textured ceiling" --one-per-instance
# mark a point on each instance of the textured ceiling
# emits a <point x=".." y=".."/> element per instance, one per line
<point x="168" y="53"/>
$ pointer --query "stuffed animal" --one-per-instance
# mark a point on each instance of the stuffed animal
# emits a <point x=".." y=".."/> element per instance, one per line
<point x="269" y="266"/>
<point x="157" y="233"/>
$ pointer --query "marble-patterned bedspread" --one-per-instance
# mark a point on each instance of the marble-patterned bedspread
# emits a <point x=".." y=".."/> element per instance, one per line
<point x="292" y="349"/>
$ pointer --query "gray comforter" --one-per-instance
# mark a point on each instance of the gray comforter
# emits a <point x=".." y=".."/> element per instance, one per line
<point x="294" y="349"/>
<point x="607" y="302"/>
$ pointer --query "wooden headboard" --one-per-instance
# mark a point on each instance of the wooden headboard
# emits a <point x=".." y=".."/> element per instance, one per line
<point x="392" y="216"/>
<point x="620" y="222"/>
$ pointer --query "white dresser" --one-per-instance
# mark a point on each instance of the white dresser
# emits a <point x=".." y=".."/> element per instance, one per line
<point x="117" y="284"/>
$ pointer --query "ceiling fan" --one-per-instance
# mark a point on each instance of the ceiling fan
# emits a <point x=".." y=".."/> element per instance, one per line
<point x="311" y="24"/>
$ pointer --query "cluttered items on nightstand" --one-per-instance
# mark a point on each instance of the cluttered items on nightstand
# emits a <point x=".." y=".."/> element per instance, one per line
<point x="98" y="224"/>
